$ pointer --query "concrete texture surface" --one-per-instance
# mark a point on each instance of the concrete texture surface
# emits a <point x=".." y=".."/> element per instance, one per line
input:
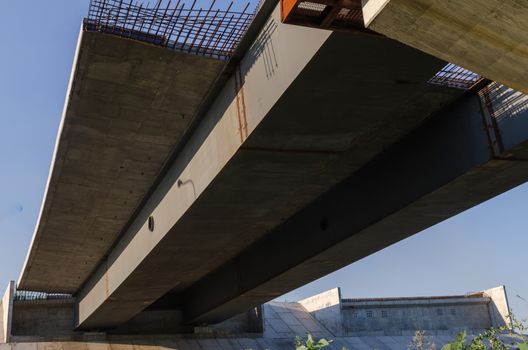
<point x="315" y="139"/>
<point x="326" y="307"/>
<point x="55" y="318"/>
<point x="302" y="112"/>
<point x="500" y="308"/>
<point x="489" y="37"/>
<point x="290" y="319"/>
<point x="242" y="343"/>
<point x="445" y="166"/>
<point x="436" y="317"/>
<point x="6" y="310"/>
<point x="127" y="107"/>
<point x="51" y="318"/>
<point x="283" y="321"/>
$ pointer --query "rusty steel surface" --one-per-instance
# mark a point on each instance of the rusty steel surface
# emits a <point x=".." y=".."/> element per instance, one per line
<point x="286" y="8"/>
<point x="210" y="31"/>
<point x="337" y="15"/>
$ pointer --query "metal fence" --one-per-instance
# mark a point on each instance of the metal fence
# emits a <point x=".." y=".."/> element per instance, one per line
<point x="25" y="295"/>
<point x="211" y="31"/>
<point x="455" y="76"/>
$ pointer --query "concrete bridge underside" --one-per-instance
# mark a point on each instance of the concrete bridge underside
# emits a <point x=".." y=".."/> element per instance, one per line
<point x="128" y="106"/>
<point x="317" y="151"/>
<point x="489" y="37"/>
<point x="298" y="116"/>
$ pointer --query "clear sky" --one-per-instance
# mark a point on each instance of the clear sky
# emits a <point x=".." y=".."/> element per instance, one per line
<point x="481" y="248"/>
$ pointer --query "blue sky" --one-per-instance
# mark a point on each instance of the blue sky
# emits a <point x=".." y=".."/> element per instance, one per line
<point x="481" y="248"/>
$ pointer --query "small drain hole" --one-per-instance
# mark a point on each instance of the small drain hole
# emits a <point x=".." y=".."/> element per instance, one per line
<point x="324" y="224"/>
<point x="151" y="223"/>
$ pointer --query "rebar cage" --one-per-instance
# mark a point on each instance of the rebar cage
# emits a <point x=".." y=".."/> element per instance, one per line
<point x="502" y="102"/>
<point x="26" y="295"/>
<point x="455" y="76"/>
<point x="173" y="24"/>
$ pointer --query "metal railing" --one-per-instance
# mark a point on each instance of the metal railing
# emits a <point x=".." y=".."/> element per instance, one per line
<point x="455" y="76"/>
<point x="210" y="32"/>
<point x="26" y="295"/>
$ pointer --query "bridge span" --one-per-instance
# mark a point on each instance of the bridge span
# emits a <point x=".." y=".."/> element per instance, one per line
<point x="193" y="183"/>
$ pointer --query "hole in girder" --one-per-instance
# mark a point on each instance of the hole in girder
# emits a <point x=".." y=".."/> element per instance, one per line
<point x="324" y="224"/>
<point x="151" y="223"/>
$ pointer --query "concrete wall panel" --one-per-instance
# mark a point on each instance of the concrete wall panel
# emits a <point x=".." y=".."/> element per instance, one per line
<point x="7" y="312"/>
<point x="392" y="320"/>
<point x="326" y="307"/>
<point x="499" y="308"/>
<point x="43" y="318"/>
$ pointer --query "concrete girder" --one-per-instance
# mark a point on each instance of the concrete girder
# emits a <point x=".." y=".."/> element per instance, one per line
<point x="489" y="37"/>
<point x="114" y="294"/>
<point x="444" y="167"/>
<point x="287" y="126"/>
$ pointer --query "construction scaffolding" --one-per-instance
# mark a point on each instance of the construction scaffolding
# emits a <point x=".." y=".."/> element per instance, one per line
<point x="210" y="32"/>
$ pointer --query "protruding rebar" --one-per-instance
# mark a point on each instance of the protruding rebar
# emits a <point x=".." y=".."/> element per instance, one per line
<point x="212" y="32"/>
